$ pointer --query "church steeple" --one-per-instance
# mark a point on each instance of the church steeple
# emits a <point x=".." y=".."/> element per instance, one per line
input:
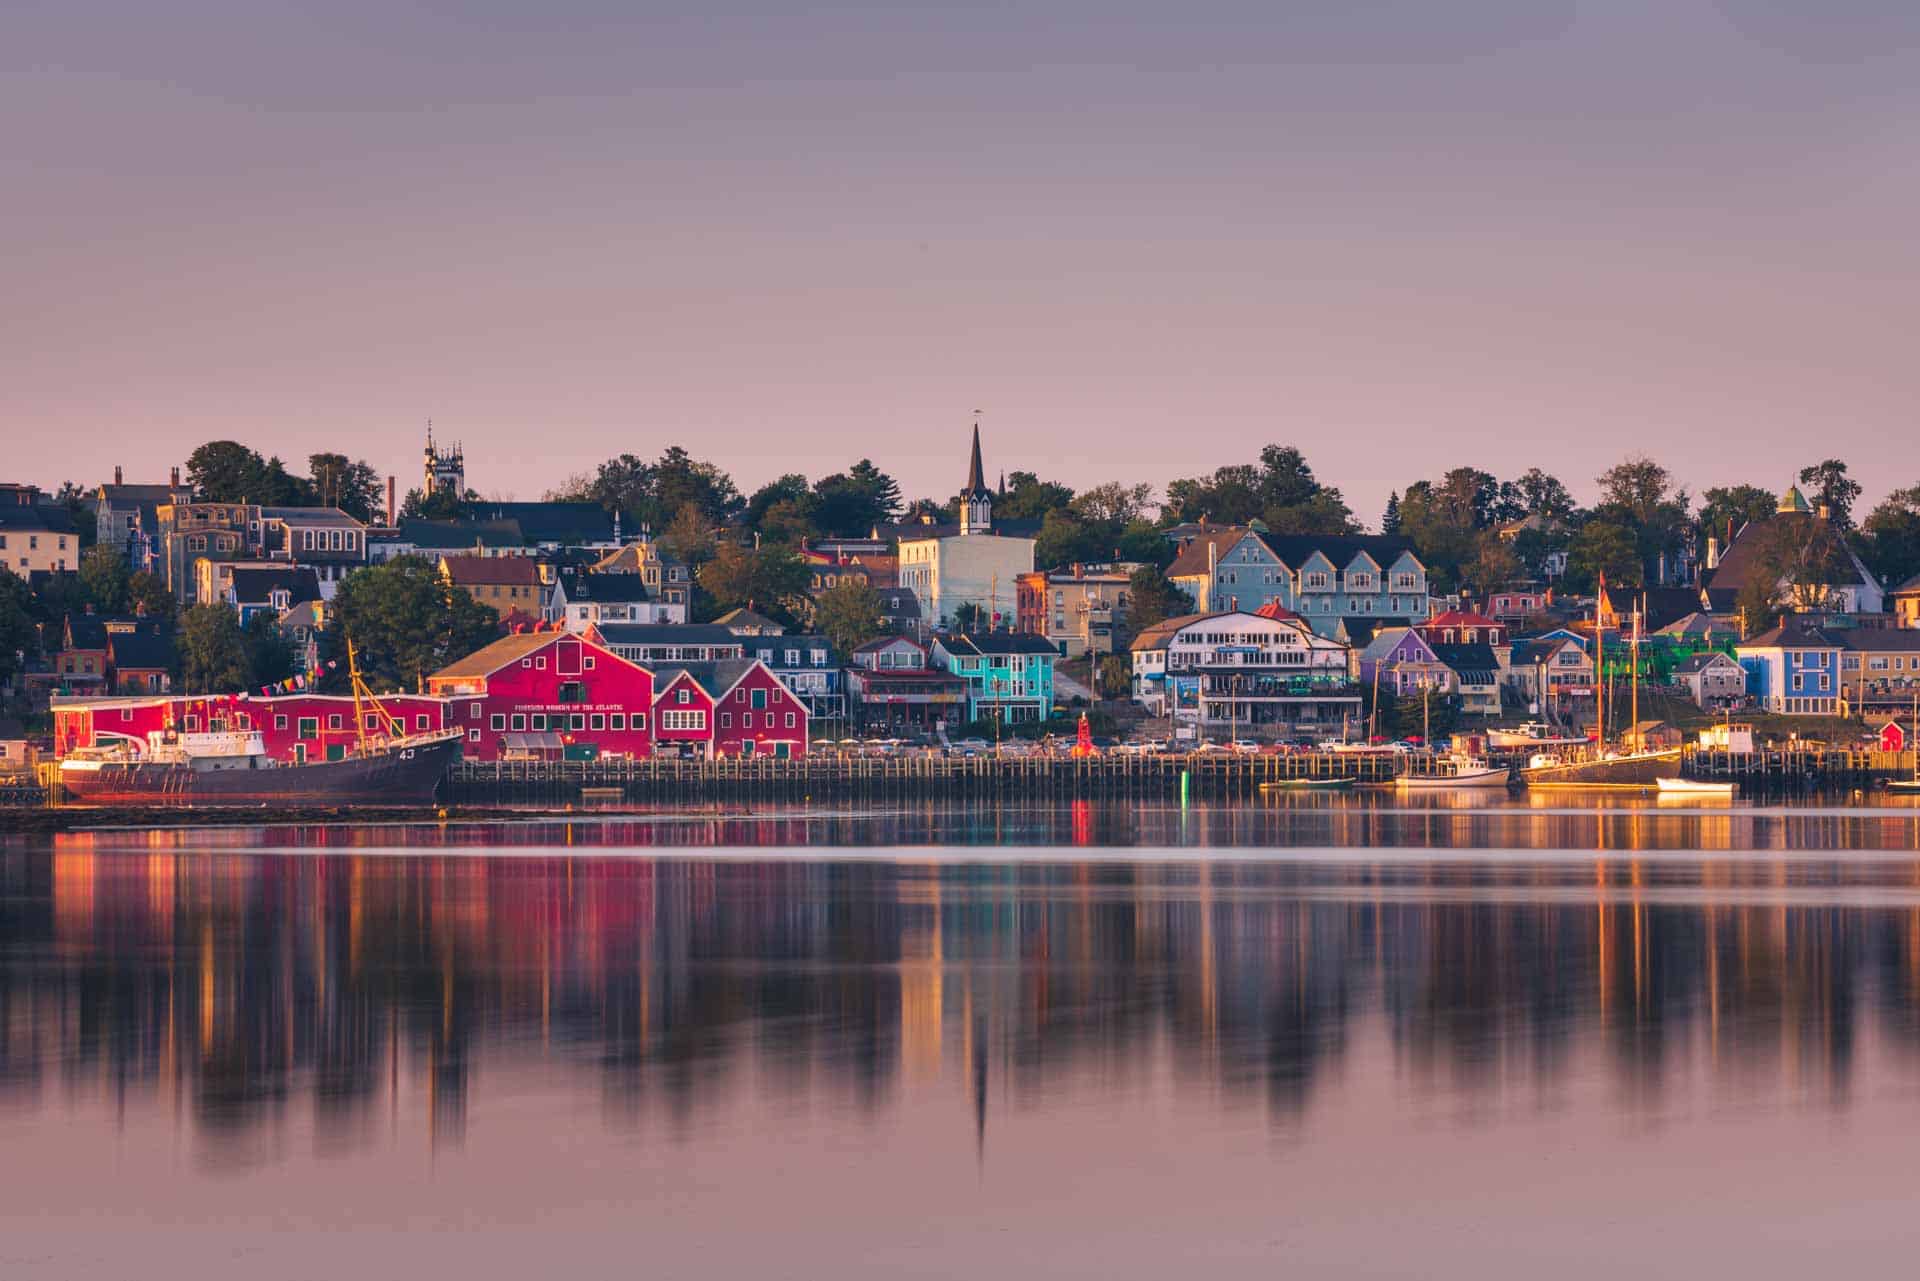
<point x="976" y="500"/>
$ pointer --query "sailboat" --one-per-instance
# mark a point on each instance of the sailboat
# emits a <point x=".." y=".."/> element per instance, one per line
<point x="1633" y="770"/>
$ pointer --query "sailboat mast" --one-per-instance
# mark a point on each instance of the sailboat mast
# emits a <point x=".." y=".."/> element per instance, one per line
<point x="1633" y="656"/>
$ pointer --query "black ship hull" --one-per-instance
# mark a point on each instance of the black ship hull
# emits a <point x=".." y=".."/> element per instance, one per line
<point x="1637" y="771"/>
<point x="406" y="774"/>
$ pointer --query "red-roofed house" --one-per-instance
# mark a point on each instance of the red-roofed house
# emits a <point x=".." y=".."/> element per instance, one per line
<point x="1458" y="627"/>
<point x="539" y="694"/>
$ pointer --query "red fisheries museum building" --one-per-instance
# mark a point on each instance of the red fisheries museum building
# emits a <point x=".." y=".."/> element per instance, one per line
<point x="531" y="694"/>
<point x="540" y="693"/>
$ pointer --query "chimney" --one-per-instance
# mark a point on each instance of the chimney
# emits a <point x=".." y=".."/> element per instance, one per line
<point x="174" y="479"/>
<point x="393" y="510"/>
<point x="1713" y="552"/>
<point x="1213" y="568"/>
<point x="116" y="475"/>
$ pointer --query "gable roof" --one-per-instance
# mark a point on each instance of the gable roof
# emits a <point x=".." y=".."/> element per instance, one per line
<point x="1193" y="559"/>
<point x="607" y="587"/>
<point x="985" y="644"/>
<point x="716" y="678"/>
<point x="256" y="585"/>
<point x="1387" y="639"/>
<point x="491" y="571"/>
<point x="332" y="516"/>
<point x="1469" y="660"/>
<point x="147" y="651"/>
<point x="1458" y="618"/>
<point x="1793" y="633"/>
<point x="489" y="659"/>
<point x="741" y="616"/>
<point x="1744" y="557"/>
<point x="1540" y="649"/>
<point x="454" y="535"/>
<point x="1700" y="662"/>
<point x="1296" y="549"/>
<point x="1879" y="640"/>
<point x="553" y="522"/>
<point x="666" y="634"/>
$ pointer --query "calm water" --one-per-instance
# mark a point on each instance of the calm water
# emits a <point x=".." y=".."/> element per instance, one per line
<point x="1337" y="1036"/>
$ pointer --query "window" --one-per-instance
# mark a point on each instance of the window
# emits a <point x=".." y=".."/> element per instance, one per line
<point x="759" y="698"/>
<point x="746" y="720"/>
<point x="598" y="721"/>
<point x="473" y="711"/>
<point x="579" y="720"/>
<point x="1317" y="580"/>
<point x="473" y="736"/>
<point x="519" y="720"/>
<point x="309" y="726"/>
<point x="541" y="662"/>
<point x="639" y="720"/>
<point x="280" y="721"/>
<point x="789" y="720"/>
<point x="617" y="721"/>
<point x="589" y="660"/>
<point x="538" y="720"/>
<point x="420" y="721"/>
<point x="333" y="721"/>
<point x="526" y="662"/>
<point x="675" y="720"/>
<point x="496" y="722"/>
<point x="726" y="720"/>
<point x="683" y="696"/>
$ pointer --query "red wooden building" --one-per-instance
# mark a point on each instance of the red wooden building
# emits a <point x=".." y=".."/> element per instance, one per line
<point x="734" y="707"/>
<point x="545" y="694"/>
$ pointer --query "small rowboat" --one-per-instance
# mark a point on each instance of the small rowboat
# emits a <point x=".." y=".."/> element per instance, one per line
<point x="1464" y="776"/>
<point x="1907" y="785"/>
<point x="1694" y="787"/>
<point x="1307" y="785"/>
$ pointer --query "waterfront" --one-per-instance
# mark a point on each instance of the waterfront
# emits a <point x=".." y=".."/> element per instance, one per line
<point x="1351" y="1035"/>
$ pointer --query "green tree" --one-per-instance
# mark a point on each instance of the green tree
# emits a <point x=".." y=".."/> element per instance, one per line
<point x="1030" y="498"/>
<point x="1538" y="494"/>
<point x="213" y="651"/>
<point x="405" y="624"/>
<point x="441" y="504"/>
<point x="1495" y="564"/>
<point x="1602" y="547"/>
<point x="147" y="595"/>
<point x="1114" y="504"/>
<point x="18" y="638"/>
<point x="1152" y="598"/>
<point x="848" y="614"/>
<point x="1828" y="485"/>
<point x="1281" y="491"/>
<point x="971" y="617"/>
<point x="785" y="524"/>
<point x="1891" y="545"/>
<point x="355" y="488"/>
<point x="1065" y="539"/>
<point x="270" y="655"/>
<point x="681" y="481"/>
<point x="791" y="488"/>
<point x="1639" y="496"/>
<point x="771" y="580"/>
<point x="1390" y="519"/>
<point x="1725" y="510"/>
<point x="225" y="471"/>
<point x="81" y="510"/>
<point x="852" y="503"/>
<point x="691" y="537"/>
<point x="1116" y="676"/>
<point x="104" y="577"/>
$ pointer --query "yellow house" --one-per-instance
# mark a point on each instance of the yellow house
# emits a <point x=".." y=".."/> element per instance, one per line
<point x="507" y="583"/>
<point x="35" y="537"/>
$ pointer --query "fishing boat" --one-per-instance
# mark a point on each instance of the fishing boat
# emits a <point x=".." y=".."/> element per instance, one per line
<point x="228" y="764"/>
<point x="1308" y="785"/>
<point x="1457" y="772"/>
<point x="1694" y="787"/>
<point x="1531" y="734"/>
<point x="1608" y="769"/>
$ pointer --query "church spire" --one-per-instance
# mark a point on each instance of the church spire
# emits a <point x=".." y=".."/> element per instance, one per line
<point x="976" y="474"/>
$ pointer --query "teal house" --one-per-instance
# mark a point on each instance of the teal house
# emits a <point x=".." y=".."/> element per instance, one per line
<point x="1008" y="674"/>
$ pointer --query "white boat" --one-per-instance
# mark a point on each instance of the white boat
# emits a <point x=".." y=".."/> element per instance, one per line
<point x="1466" y="771"/>
<point x="1694" y="787"/>
<point x="1531" y="734"/>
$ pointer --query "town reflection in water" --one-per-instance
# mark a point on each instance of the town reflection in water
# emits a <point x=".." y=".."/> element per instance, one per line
<point x="224" y="976"/>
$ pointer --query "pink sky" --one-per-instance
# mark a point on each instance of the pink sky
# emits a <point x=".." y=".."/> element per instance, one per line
<point x="1144" y="241"/>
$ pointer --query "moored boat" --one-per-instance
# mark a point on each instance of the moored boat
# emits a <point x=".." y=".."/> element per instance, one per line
<point x="1634" y="769"/>
<point x="231" y="767"/>
<point x="1307" y="785"/>
<point x="1694" y="787"/>
<point x="1457" y="772"/>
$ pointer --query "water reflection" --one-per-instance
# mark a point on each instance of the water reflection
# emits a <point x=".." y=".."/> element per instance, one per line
<point x="188" y="973"/>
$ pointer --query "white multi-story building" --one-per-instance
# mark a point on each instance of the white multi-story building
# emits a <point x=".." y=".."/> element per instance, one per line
<point x="949" y="567"/>
<point x="1212" y="671"/>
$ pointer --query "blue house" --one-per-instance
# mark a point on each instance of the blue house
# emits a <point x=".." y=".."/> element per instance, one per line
<point x="1793" y="669"/>
<point x="1008" y="674"/>
<point x="1326" y="579"/>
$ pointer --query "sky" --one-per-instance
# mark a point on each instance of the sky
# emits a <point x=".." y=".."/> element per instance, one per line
<point x="1143" y="239"/>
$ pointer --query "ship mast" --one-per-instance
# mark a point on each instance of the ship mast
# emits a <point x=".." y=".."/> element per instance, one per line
<point x="362" y="696"/>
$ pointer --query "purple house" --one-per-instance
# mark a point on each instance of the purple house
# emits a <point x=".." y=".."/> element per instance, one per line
<point x="1403" y="661"/>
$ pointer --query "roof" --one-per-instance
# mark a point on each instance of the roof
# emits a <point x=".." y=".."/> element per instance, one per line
<point x="913" y="533"/>
<point x="1386" y="639"/>
<point x="1193" y="559"/>
<point x="608" y="588"/>
<point x="1296" y="549"/>
<point x="1161" y="633"/>
<point x="1793" y="633"/>
<point x="1700" y="662"/>
<point x="489" y="659"/>
<point x="1698" y="623"/>
<point x="715" y="677"/>
<point x="147" y="651"/>
<point x="139" y="495"/>
<point x="253" y="586"/>
<point x="1276" y="611"/>
<point x="36" y="516"/>
<point x="491" y="571"/>
<point x="553" y="522"/>
<point x="1360" y="631"/>
<point x="982" y="644"/>
<point x="1663" y="606"/>
<point x="1462" y="618"/>
<point x="1527" y="653"/>
<point x="457" y="534"/>
<point x="976" y="481"/>
<point x="742" y="617"/>
<point x="1879" y="640"/>
<point x="1909" y="587"/>
<point x="11" y="729"/>
<point x="1745" y="555"/>
<point x="1467" y="658"/>
<point x="311" y="516"/>
<point x="887" y="642"/>
<point x="765" y="648"/>
<point x="666" y="634"/>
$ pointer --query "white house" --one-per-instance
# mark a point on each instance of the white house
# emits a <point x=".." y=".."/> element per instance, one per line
<point x="948" y="567"/>
<point x="1237" y="669"/>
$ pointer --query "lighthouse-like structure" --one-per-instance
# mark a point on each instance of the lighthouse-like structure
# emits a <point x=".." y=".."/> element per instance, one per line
<point x="976" y="500"/>
<point x="446" y="470"/>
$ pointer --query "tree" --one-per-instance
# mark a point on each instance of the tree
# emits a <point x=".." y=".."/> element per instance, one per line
<point x="1065" y="539"/>
<point x="1116" y="676"/>
<point x="147" y="596"/>
<point x="1725" y="510"/>
<point x="1892" y="537"/>
<point x="1639" y="496"/>
<point x="970" y="617"/>
<point x="1113" y="503"/>
<point x="791" y="489"/>
<point x="269" y="655"/>
<point x="772" y="580"/>
<point x="681" y="481"/>
<point x="622" y="484"/>
<point x="1604" y="547"/>
<point x="1390" y="519"/>
<point x="851" y="504"/>
<point x="785" y="524"/>
<point x="1153" y="598"/>
<point x="81" y="510"/>
<point x="1637" y="484"/>
<point x="405" y="623"/>
<point x="354" y="488"/>
<point x="225" y="471"/>
<point x="18" y="639"/>
<point x="848" y="614"/>
<point x="1828" y="485"/>
<point x="441" y="504"/>
<point x="104" y="577"/>
<point x="1281" y="490"/>
<point x="1030" y="498"/>
<point x="691" y="537"/>
<point x="1494" y="565"/>
<point x="1539" y="494"/>
<point x="213" y="652"/>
